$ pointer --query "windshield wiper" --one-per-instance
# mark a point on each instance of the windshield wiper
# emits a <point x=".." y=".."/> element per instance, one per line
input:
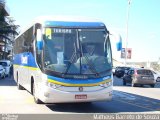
<point x="91" y="66"/>
<point x="71" y="60"/>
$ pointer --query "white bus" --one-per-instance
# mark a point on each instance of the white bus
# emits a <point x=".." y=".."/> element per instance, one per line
<point x="64" y="59"/>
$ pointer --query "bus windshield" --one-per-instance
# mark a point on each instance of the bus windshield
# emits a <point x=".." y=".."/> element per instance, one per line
<point x="77" y="51"/>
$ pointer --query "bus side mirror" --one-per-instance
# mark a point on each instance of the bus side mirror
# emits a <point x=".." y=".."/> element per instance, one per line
<point x="39" y="43"/>
<point x="119" y="43"/>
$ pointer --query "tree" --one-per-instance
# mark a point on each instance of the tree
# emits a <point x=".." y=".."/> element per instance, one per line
<point x="8" y="30"/>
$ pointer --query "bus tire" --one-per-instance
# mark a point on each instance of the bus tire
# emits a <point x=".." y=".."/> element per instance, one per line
<point x="133" y="85"/>
<point x="20" y="87"/>
<point x="36" y="100"/>
<point x="124" y="82"/>
<point x="152" y="85"/>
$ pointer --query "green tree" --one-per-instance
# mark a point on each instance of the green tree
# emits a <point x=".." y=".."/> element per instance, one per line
<point x="8" y="30"/>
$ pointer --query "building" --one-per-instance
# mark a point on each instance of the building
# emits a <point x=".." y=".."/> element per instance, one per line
<point x="5" y="44"/>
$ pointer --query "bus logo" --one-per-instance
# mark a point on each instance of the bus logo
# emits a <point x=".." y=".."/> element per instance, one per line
<point x="24" y="59"/>
<point x="81" y="89"/>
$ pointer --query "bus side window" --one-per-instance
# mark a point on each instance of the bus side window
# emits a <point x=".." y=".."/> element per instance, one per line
<point x="27" y="40"/>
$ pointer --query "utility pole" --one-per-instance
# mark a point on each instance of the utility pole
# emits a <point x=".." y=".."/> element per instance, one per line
<point x="129" y="2"/>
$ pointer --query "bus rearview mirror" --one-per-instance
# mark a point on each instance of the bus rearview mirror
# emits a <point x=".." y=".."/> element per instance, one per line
<point x="119" y="43"/>
<point x="39" y="43"/>
<point x="117" y="40"/>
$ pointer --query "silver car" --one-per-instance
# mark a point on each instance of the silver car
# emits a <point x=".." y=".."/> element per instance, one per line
<point x="139" y="76"/>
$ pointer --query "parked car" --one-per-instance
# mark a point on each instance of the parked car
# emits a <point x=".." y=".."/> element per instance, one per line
<point x="156" y="76"/>
<point x="120" y="71"/>
<point x="2" y="72"/>
<point x="6" y="64"/>
<point x="139" y="76"/>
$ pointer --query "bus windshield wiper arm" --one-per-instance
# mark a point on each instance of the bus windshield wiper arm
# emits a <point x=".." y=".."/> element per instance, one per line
<point x="91" y="66"/>
<point x="71" y="60"/>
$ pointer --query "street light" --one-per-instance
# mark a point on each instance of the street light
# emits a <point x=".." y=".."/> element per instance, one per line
<point x="129" y="2"/>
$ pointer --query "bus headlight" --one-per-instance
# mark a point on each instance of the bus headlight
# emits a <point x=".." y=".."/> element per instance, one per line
<point x="52" y="85"/>
<point x="107" y="84"/>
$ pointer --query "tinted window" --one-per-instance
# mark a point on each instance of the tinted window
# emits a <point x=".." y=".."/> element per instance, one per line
<point x="131" y="72"/>
<point x="123" y="68"/>
<point x="144" y="72"/>
<point x="24" y="42"/>
<point x="3" y="63"/>
<point x="77" y="51"/>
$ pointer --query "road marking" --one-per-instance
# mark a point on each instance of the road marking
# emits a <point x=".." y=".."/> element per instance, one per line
<point x="146" y="103"/>
<point x="136" y="105"/>
<point x="124" y="95"/>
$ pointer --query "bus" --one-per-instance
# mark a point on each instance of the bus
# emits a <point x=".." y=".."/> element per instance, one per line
<point x="64" y="59"/>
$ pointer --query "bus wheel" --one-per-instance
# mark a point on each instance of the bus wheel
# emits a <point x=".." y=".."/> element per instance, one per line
<point x="20" y="87"/>
<point x="152" y="85"/>
<point x="124" y="82"/>
<point x="36" y="100"/>
<point x="133" y="84"/>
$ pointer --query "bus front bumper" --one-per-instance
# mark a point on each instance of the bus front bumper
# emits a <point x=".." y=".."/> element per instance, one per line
<point x="50" y="95"/>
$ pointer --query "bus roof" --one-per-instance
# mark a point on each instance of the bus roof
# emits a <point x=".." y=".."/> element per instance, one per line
<point x="68" y="21"/>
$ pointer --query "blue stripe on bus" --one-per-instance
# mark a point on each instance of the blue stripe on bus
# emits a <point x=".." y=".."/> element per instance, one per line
<point x="77" y="81"/>
<point x="19" y="59"/>
<point x="73" y="24"/>
<point x="32" y="63"/>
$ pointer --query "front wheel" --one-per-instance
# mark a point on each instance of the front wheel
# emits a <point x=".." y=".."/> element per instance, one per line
<point x="36" y="100"/>
<point x="1" y="76"/>
<point x="158" y="79"/>
<point x="124" y="82"/>
<point x="133" y="84"/>
<point x="4" y="75"/>
<point x="152" y="85"/>
<point x="118" y="76"/>
<point x="141" y="85"/>
<point x="20" y="87"/>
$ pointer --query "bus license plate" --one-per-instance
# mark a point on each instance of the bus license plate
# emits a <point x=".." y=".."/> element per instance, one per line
<point x="81" y="96"/>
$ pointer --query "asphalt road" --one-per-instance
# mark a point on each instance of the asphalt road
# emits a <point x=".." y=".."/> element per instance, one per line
<point x="126" y="99"/>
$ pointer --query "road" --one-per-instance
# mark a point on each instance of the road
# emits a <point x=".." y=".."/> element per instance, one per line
<point x="126" y="99"/>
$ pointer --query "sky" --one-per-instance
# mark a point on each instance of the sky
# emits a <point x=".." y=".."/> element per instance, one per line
<point x="143" y="23"/>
